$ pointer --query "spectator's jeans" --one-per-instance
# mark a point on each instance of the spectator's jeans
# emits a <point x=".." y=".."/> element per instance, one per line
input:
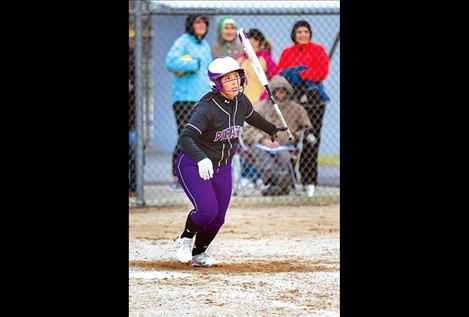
<point x="248" y="170"/>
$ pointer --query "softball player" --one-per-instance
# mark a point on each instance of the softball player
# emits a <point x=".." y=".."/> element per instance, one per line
<point x="208" y="143"/>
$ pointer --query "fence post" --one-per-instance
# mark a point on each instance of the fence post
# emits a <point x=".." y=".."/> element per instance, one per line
<point x="139" y="103"/>
<point x="148" y="82"/>
<point x="334" y="46"/>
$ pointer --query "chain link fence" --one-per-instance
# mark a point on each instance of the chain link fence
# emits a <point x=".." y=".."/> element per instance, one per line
<point x="303" y="77"/>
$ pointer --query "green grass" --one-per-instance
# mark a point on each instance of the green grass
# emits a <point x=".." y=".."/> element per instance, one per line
<point x="329" y="160"/>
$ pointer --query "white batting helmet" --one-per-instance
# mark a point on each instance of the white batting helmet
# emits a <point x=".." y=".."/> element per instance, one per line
<point x="219" y="67"/>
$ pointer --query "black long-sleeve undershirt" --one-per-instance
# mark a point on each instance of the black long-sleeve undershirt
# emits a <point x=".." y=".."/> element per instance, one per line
<point x="194" y="145"/>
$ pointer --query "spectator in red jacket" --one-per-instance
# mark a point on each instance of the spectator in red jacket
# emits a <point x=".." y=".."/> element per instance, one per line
<point x="305" y="65"/>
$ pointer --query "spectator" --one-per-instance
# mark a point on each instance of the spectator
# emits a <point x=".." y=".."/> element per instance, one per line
<point x="263" y="50"/>
<point x="305" y="65"/>
<point x="188" y="60"/>
<point x="227" y="43"/>
<point x="274" y="168"/>
<point x="255" y="92"/>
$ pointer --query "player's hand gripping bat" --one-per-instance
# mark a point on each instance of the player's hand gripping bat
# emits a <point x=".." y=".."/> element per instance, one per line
<point x="261" y="75"/>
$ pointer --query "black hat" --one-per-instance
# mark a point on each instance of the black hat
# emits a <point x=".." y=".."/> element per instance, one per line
<point x="190" y="23"/>
<point x="300" y="24"/>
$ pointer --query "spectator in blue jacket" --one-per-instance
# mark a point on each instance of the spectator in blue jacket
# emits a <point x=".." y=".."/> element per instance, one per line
<point x="188" y="60"/>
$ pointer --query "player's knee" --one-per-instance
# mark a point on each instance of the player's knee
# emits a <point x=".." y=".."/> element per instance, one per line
<point x="218" y="223"/>
<point x="215" y="226"/>
<point x="220" y="219"/>
<point x="207" y="216"/>
<point x="208" y="212"/>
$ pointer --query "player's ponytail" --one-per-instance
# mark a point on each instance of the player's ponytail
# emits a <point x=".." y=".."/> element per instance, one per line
<point x="266" y="45"/>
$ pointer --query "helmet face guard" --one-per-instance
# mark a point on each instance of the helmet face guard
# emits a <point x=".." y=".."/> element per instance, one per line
<point x="242" y="82"/>
<point x="222" y="66"/>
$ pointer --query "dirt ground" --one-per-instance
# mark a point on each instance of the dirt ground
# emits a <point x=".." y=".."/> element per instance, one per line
<point x="277" y="261"/>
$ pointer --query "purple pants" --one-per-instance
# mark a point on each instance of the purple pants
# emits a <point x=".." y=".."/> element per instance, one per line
<point x="209" y="197"/>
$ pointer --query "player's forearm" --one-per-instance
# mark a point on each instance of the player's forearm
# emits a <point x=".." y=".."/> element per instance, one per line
<point x="259" y="122"/>
<point x="186" y="141"/>
<point x="252" y="135"/>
